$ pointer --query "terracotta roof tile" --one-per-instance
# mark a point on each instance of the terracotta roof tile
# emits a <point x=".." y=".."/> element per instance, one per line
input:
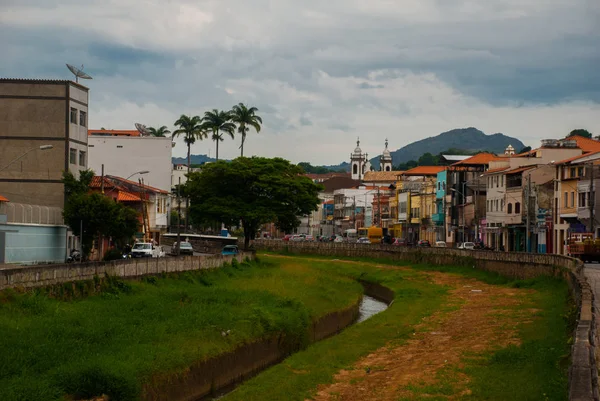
<point x="124" y="196"/>
<point x="585" y="144"/>
<point x="574" y="158"/>
<point x="386" y="176"/>
<point x="3" y="199"/>
<point x="97" y="182"/>
<point x="423" y="170"/>
<point x="137" y="184"/>
<point x="479" y="158"/>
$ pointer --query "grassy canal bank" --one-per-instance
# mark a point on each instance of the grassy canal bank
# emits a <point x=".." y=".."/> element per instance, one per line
<point x="132" y="332"/>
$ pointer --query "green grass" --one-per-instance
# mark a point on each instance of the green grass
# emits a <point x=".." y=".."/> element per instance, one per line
<point x="297" y="377"/>
<point x="536" y="370"/>
<point x="111" y="342"/>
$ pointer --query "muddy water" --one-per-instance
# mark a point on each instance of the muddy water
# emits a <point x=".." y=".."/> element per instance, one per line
<point x="370" y="306"/>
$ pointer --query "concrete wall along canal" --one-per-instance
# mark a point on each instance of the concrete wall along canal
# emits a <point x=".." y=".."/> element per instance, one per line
<point x="583" y="375"/>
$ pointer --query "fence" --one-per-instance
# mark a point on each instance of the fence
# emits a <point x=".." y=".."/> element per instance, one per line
<point x="583" y="376"/>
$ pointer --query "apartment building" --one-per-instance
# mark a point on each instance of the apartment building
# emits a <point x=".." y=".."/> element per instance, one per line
<point x="43" y="128"/>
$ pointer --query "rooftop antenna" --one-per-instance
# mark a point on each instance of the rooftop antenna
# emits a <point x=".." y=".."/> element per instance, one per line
<point x="78" y="72"/>
<point x="142" y="129"/>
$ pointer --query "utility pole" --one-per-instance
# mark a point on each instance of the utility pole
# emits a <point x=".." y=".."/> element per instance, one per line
<point x="527" y="225"/>
<point x="354" y="211"/>
<point x="592" y="201"/>
<point x="102" y="181"/>
<point x="379" y="207"/>
<point x="178" y="219"/>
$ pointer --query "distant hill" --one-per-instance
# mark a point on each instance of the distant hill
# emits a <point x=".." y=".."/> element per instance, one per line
<point x="195" y="159"/>
<point x="470" y="139"/>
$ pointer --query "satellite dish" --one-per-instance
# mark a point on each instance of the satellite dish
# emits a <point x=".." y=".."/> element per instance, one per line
<point x="78" y="72"/>
<point x="142" y="129"/>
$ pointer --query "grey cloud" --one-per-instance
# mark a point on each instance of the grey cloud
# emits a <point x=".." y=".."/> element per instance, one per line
<point x="366" y="85"/>
<point x="305" y="122"/>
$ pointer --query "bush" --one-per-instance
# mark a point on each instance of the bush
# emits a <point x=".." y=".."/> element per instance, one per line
<point x="113" y="254"/>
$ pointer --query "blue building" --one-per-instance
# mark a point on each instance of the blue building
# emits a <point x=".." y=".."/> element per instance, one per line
<point x="439" y="217"/>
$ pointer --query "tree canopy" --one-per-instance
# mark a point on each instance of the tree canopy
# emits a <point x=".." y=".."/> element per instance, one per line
<point x="310" y="169"/>
<point x="253" y="191"/>
<point x="580" y="132"/>
<point x="98" y="214"/>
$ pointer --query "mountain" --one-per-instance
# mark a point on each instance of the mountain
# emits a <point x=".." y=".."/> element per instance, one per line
<point x="469" y="139"/>
<point x="195" y="159"/>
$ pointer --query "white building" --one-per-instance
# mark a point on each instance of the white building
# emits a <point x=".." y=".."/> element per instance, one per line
<point x="179" y="174"/>
<point x="124" y="155"/>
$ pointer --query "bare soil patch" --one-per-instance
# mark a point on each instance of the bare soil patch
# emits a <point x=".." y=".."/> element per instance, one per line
<point x="478" y="317"/>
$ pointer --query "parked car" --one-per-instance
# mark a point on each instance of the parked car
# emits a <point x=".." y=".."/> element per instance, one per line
<point x="440" y="244"/>
<point x="363" y="240"/>
<point x="184" y="249"/>
<point x="230" y="250"/>
<point x="287" y="237"/>
<point x="297" y="238"/>
<point x="142" y="250"/>
<point x="467" y="245"/>
<point x="424" y="243"/>
<point x="338" y="238"/>
<point x="308" y="237"/>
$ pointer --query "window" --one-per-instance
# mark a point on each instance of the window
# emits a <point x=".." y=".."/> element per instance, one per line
<point x="572" y="199"/>
<point x="81" y="158"/>
<point x="83" y="118"/>
<point x="572" y="172"/>
<point x="581" y="201"/>
<point x="439" y="186"/>
<point x="501" y="180"/>
<point x="73" y="115"/>
<point x="517" y="208"/>
<point x="120" y="146"/>
<point x="579" y="171"/>
<point x="354" y="168"/>
<point x="509" y="208"/>
<point x="566" y="204"/>
<point x="487" y="206"/>
<point x="73" y="156"/>
<point x="444" y="185"/>
<point x="502" y="205"/>
<point x="91" y="146"/>
<point x="496" y="204"/>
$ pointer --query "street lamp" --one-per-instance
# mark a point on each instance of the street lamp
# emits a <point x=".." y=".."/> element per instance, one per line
<point x="137" y="172"/>
<point x="43" y="147"/>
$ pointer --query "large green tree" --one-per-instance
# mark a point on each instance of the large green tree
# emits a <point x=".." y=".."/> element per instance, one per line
<point x="99" y="215"/>
<point x="159" y="132"/>
<point x="253" y="191"/>
<point x="191" y="129"/>
<point x="218" y="122"/>
<point x="580" y="132"/>
<point x="245" y="118"/>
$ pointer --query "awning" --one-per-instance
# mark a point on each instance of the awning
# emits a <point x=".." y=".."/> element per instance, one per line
<point x="3" y="199"/>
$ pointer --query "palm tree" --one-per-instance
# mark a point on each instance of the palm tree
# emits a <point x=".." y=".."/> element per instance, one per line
<point x="245" y="118"/>
<point x="191" y="129"/>
<point x="160" y="132"/>
<point x="218" y="122"/>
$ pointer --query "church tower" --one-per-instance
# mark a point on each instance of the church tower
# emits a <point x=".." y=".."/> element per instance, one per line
<point x="357" y="160"/>
<point x="385" y="161"/>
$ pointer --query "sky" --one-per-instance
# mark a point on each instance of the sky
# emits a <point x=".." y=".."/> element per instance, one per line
<point x="321" y="73"/>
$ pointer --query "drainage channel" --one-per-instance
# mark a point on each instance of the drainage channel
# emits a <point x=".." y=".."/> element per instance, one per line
<point x="368" y="307"/>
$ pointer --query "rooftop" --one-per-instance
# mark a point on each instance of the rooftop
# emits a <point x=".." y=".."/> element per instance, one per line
<point x="520" y="169"/>
<point x="575" y="158"/>
<point x="42" y="81"/>
<point x="113" y="132"/>
<point x="479" y="159"/>
<point x="585" y="144"/>
<point x="422" y="170"/>
<point x="455" y="158"/>
<point x="3" y="199"/>
<point x="496" y="170"/>
<point x="381" y="176"/>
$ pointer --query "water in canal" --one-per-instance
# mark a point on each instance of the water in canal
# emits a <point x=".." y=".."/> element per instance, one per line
<point x="369" y="306"/>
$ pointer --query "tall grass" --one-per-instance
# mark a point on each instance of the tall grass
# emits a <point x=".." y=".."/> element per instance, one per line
<point x="110" y="343"/>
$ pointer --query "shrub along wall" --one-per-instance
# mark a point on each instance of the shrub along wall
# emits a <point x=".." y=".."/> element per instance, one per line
<point x="583" y="376"/>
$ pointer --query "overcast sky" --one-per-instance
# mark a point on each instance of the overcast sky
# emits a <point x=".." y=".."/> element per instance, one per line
<point x="322" y="73"/>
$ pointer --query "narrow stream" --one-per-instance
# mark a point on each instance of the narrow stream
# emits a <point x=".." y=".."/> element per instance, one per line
<point x="370" y="306"/>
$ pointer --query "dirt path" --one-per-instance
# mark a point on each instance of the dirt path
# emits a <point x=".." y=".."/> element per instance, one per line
<point x="477" y="317"/>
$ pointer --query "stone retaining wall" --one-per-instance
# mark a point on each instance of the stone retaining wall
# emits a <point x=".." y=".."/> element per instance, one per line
<point x="583" y="375"/>
<point x="43" y="275"/>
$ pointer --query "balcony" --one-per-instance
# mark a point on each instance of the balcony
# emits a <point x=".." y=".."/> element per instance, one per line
<point x="438" y="218"/>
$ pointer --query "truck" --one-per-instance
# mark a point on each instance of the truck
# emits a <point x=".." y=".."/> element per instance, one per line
<point x="375" y="234"/>
<point x="146" y="250"/>
<point x="583" y="246"/>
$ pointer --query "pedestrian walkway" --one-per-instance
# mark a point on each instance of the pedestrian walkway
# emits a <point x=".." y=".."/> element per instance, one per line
<point x="592" y="274"/>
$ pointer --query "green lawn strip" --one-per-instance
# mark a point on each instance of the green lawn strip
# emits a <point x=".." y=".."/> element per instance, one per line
<point x="538" y="368"/>
<point x="112" y="342"/>
<point x="298" y="376"/>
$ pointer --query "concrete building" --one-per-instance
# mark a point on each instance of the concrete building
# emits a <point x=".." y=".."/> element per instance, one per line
<point x="178" y="174"/>
<point x="34" y="114"/>
<point x="124" y="155"/>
